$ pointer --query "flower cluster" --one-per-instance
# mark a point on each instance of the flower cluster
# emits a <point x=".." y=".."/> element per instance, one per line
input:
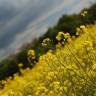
<point x="60" y="36"/>
<point x="46" y="42"/>
<point x="63" y="37"/>
<point x="84" y="13"/>
<point x="70" y="71"/>
<point x="20" y="65"/>
<point x="82" y="29"/>
<point x="88" y="45"/>
<point x="31" y="55"/>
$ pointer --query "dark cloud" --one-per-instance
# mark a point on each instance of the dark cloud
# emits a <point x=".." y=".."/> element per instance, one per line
<point x="15" y="21"/>
<point x="17" y="15"/>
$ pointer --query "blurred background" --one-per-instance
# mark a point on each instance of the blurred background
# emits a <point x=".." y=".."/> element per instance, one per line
<point x="23" y="20"/>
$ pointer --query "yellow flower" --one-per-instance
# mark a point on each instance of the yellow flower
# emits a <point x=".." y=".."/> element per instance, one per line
<point x="20" y="65"/>
<point x="41" y="89"/>
<point x="84" y="13"/>
<point x="69" y="40"/>
<point x="94" y="67"/>
<point x="51" y="74"/>
<point x="29" y="95"/>
<point x="61" y="33"/>
<point x="31" y="55"/>
<point x="31" y="52"/>
<point x="11" y="93"/>
<point x="60" y="36"/>
<point x="88" y="44"/>
<point x="61" y="89"/>
<point x="82" y="27"/>
<point x="66" y="82"/>
<point x="51" y="93"/>
<point x="3" y="82"/>
<point x="66" y="35"/>
<point x="73" y="37"/>
<point x="58" y="46"/>
<point x="65" y="89"/>
<point x="56" y="84"/>
<point x="46" y="42"/>
<point x="78" y="31"/>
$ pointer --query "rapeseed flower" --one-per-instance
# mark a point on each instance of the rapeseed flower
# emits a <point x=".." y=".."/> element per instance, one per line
<point x="31" y="55"/>
<point x="84" y="13"/>
<point x="20" y="65"/>
<point x="94" y="67"/>
<point x="60" y="36"/>
<point x="46" y="42"/>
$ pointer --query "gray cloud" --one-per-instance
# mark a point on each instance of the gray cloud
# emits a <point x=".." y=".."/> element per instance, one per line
<point x="19" y="22"/>
<point x="22" y="20"/>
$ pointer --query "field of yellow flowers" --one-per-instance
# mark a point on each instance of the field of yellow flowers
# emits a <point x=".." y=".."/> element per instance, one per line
<point x="70" y="70"/>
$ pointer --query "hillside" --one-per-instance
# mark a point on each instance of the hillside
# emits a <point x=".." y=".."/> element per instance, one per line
<point x="67" y="23"/>
<point x="70" y="70"/>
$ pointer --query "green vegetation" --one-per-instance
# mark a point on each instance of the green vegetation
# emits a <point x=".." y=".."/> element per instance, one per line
<point x="69" y="71"/>
<point x="67" y="23"/>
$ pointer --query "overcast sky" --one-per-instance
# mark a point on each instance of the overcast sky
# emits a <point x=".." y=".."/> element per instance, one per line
<point x="23" y="20"/>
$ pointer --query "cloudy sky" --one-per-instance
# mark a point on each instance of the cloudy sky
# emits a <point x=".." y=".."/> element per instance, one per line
<point x="23" y="20"/>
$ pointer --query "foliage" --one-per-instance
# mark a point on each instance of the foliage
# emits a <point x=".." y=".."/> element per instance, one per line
<point x="69" y="71"/>
<point x="66" y="24"/>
